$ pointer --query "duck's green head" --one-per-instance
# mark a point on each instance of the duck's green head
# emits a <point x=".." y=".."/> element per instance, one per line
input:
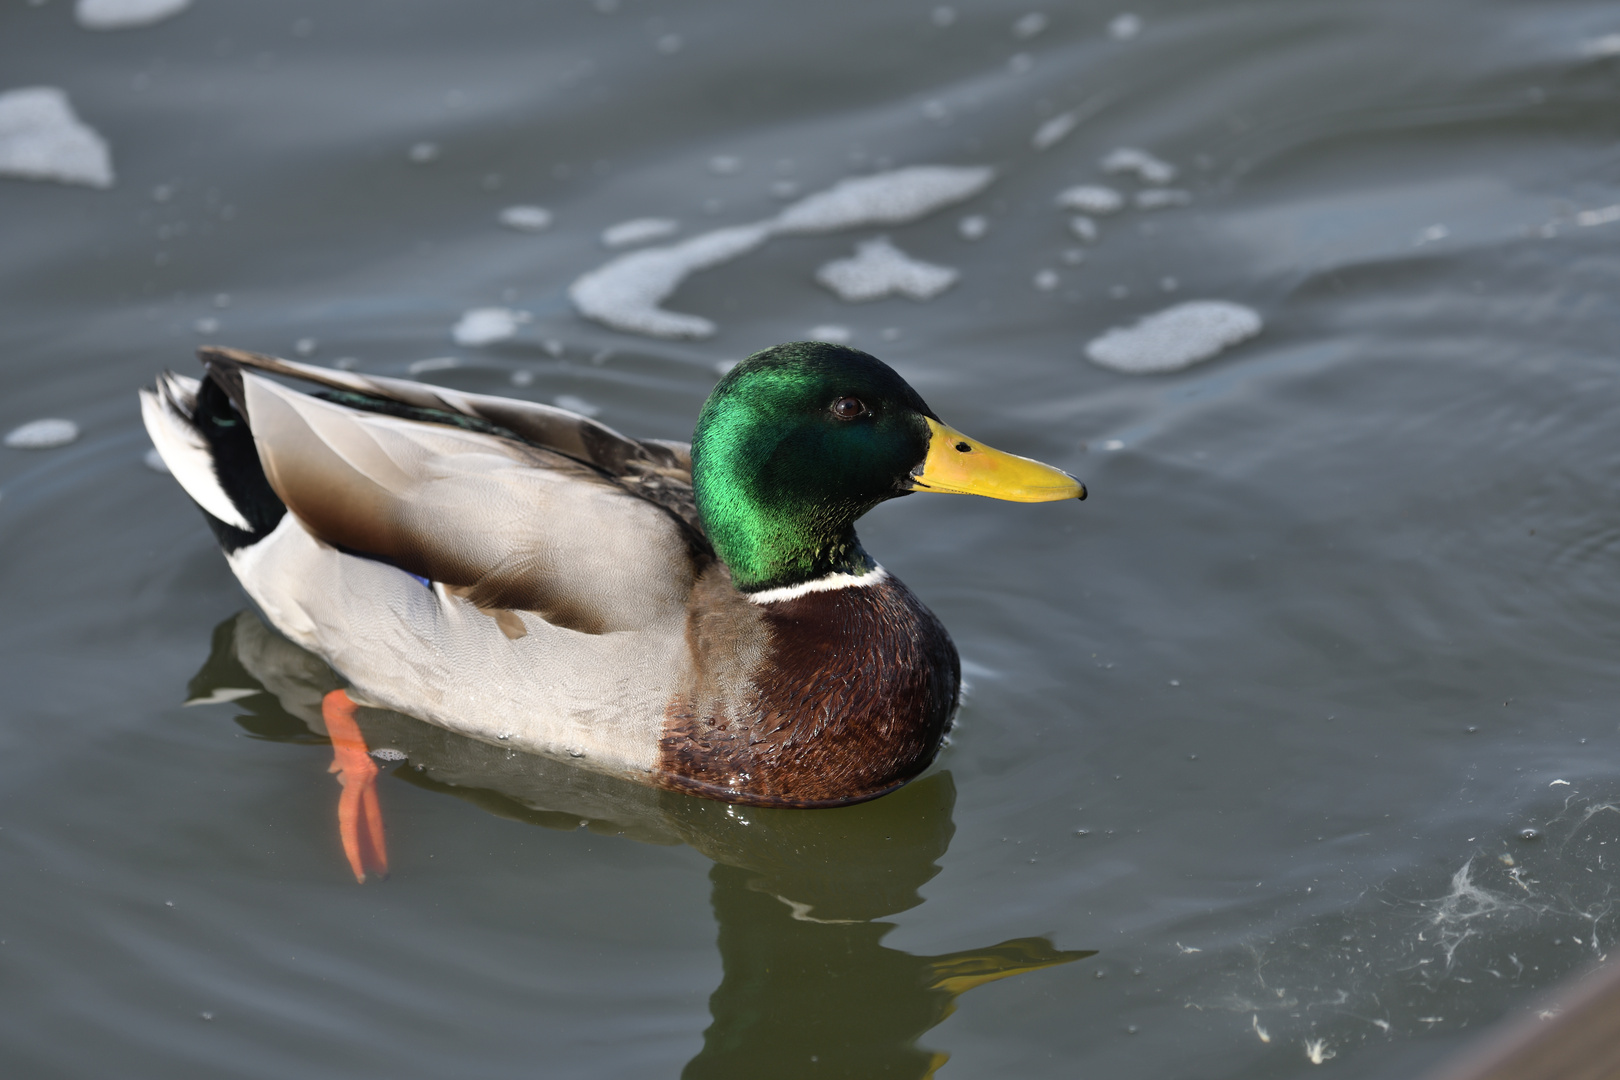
<point x="798" y="441"/>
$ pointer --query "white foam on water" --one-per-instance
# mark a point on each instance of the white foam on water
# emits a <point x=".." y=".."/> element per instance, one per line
<point x="888" y="198"/>
<point x="1028" y="26"/>
<point x="973" y="227"/>
<point x="833" y="333"/>
<point x="1162" y="198"/>
<point x="1083" y="228"/>
<point x="1601" y="216"/>
<point x="625" y="293"/>
<point x="1175" y="338"/>
<point x="880" y="269"/>
<point x="1055" y="130"/>
<point x="526" y="218"/>
<point x="639" y="231"/>
<point x="576" y="405"/>
<point x="432" y="363"/>
<point x="1607" y="45"/>
<point x="125" y="14"/>
<point x="487" y="325"/>
<point x="388" y="753"/>
<point x="1091" y="199"/>
<point x="42" y="434"/>
<point x="1125" y="26"/>
<point x="42" y="139"/>
<point x="1149" y="169"/>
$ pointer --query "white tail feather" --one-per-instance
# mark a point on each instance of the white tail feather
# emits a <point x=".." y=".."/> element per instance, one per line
<point x="166" y="412"/>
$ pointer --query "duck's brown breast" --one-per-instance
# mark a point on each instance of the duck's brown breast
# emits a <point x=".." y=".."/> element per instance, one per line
<point x="825" y="699"/>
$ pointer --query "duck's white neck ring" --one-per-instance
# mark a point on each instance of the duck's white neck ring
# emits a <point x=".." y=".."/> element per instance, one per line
<point x="827" y="583"/>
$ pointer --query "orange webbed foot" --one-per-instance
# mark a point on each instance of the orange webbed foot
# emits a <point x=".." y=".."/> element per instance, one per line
<point x="359" y="818"/>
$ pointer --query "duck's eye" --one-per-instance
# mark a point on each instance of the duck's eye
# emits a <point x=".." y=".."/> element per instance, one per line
<point x="848" y="408"/>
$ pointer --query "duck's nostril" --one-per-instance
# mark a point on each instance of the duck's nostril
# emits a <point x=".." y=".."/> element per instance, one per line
<point x="963" y="448"/>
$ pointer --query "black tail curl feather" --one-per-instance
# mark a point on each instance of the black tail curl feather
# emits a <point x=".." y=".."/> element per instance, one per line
<point x="224" y="427"/>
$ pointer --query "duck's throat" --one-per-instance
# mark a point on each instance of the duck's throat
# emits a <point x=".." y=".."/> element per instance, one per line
<point x="766" y="554"/>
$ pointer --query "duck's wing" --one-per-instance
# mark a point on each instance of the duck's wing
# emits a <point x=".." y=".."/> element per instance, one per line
<point x="657" y="470"/>
<point x="591" y="543"/>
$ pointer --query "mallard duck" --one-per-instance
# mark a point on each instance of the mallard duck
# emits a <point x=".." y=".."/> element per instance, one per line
<point x="699" y="618"/>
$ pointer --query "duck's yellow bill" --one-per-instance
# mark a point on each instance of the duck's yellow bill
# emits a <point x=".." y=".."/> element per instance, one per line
<point x="961" y="466"/>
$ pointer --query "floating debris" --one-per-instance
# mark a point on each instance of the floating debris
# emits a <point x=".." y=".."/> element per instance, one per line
<point x="486" y="326"/>
<point x="1175" y="338"/>
<point x="973" y="227"/>
<point x="42" y="139"/>
<point x="1161" y="198"/>
<point x="42" y="434"/>
<point x="1055" y="130"/>
<point x="639" y="231"/>
<point x="526" y="218"/>
<point x="125" y="14"/>
<point x="576" y="405"/>
<point x="1149" y="169"/>
<point x="1260" y="1031"/>
<point x="388" y="753"/>
<point x="1124" y="27"/>
<point x="624" y="294"/>
<point x="831" y="332"/>
<point x="888" y="198"/>
<point x="879" y="269"/>
<point x="1091" y="199"/>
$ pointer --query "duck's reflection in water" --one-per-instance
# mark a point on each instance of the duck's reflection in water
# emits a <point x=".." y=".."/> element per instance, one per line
<point x="809" y="989"/>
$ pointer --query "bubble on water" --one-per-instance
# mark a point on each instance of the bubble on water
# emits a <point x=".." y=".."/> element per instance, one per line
<point x="526" y="218"/>
<point x="880" y="269"/>
<point x="125" y="14"/>
<point x="1028" y="26"/>
<point x="576" y="405"/>
<point x="943" y="16"/>
<point x="1162" y="198"/>
<point x="154" y="461"/>
<point x="1125" y="26"/>
<point x="1046" y="280"/>
<point x="1175" y="338"/>
<point x="833" y="333"/>
<point x="1090" y="199"/>
<point x="1083" y="228"/>
<point x="973" y="227"/>
<point x="1149" y="169"/>
<point x="639" y="231"/>
<point x="485" y="326"/>
<point x="423" y="152"/>
<point x="887" y="198"/>
<point x="1607" y="45"/>
<point x="42" y="139"/>
<point x="42" y="434"/>
<point x="388" y="753"/>
<point x="725" y="164"/>
<point x="1053" y="131"/>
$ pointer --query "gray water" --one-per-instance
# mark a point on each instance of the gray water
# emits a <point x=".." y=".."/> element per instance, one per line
<point x="1298" y="738"/>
